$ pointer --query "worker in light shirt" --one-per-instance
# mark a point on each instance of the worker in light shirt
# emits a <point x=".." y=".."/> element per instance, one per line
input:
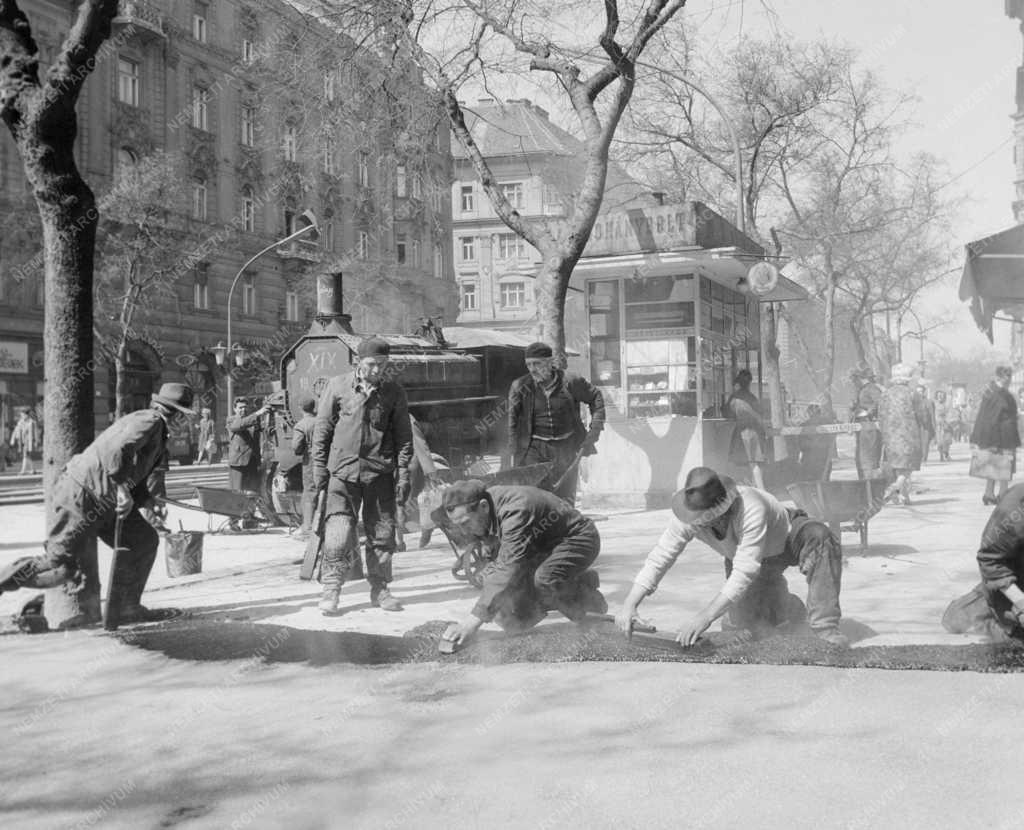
<point x="759" y="539"/>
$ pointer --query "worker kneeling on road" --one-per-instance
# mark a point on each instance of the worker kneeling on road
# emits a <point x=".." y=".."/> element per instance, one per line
<point x="759" y="539"/>
<point x="545" y="548"/>
<point x="105" y="482"/>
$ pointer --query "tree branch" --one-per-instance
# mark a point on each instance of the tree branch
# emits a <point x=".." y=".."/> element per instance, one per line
<point x="19" y="70"/>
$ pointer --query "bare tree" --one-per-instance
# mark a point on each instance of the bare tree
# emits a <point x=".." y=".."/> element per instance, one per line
<point x="40" y="114"/>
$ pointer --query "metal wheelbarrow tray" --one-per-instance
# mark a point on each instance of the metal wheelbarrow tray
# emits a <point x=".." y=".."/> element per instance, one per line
<point x="836" y="502"/>
<point x="245" y="506"/>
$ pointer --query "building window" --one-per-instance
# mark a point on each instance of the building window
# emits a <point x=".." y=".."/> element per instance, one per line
<point x="513" y="294"/>
<point x="249" y="126"/>
<point x="125" y="161"/>
<point x="415" y="253"/>
<point x="128" y="81"/>
<point x="513" y="191"/>
<point x="400" y="183"/>
<point x="363" y="169"/>
<point x="468" y="290"/>
<point x="248" y="51"/>
<point x="363" y="244"/>
<point x="248" y="209"/>
<point x="200" y="106"/>
<point x="290" y="143"/>
<point x="438" y="261"/>
<point x="199" y="199"/>
<point x="417" y="186"/>
<point x="291" y="306"/>
<point x="200" y="288"/>
<point x="400" y="247"/>
<point x="40" y="291"/>
<point x="468" y="248"/>
<point x="328" y="158"/>
<point x="329" y="85"/>
<point x="199" y="24"/>
<point x="511" y="246"/>
<point x="288" y="213"/>
<point x="436" y="199"/>
<point x="249" y="296"/>
<point x="468" y="198"/>
<point x="327" y="240"/>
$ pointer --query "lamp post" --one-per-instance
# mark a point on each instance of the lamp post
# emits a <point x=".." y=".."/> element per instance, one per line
<point x="220" y="351"/>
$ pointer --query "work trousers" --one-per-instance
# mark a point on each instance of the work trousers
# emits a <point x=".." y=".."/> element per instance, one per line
<point x="308" y="498"/>
<point x="77" y="515"/>
<point x="816" y="552"/>
<point x="549" y="582"/>
<point x="561" y="454"/>
<point x="375" y="500"/>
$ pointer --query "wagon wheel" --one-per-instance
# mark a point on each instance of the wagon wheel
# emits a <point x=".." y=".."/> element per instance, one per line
<point x="469" y="566"/>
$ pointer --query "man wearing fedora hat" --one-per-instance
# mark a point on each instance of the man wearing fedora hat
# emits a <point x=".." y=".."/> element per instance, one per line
<point x="759" y="539"/>
<point x="362" y="444"/>
<point x="544" y="423"/>
<point x="106" y="482"/>
<point x="545" y="549"/>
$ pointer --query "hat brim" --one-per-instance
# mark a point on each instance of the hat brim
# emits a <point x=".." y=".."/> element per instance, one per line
<point x="169" y="403"/>
<point x="701" y="518"/>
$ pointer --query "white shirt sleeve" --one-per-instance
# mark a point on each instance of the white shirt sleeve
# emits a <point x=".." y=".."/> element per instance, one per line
<point x="664" y="554"/>
<point x="750" y="549"/>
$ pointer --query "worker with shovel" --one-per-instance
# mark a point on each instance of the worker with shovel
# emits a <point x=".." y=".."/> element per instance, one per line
<point x="544" y="552"/>
<point x="101" y="491"/>
<point x="759" y="539"/>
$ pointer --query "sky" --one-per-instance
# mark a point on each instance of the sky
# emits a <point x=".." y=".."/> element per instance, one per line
<point x="960" y="59"/>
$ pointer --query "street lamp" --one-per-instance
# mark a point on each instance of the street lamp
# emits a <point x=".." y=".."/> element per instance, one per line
<point x="220" y="351"/>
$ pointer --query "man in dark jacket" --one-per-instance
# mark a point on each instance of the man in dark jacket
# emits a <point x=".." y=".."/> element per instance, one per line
<point x="362" y="443"/>
<point x="244" y="447"/>
<point x="105" y="482"/>
<point x="545" y="548"/>
<point x="865" y="411"/>
<point x="302" y="443"/>
<point x="995" y="428"/>
<point x="544" y="418"/>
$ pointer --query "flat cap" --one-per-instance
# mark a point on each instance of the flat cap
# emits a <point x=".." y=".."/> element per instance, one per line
<point x="539" y="350"/>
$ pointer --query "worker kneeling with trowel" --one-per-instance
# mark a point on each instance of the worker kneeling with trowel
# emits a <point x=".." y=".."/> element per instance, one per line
<point x="759" y="539"/>
<point x="100" y="492"/>
<point x="545" y="548"/>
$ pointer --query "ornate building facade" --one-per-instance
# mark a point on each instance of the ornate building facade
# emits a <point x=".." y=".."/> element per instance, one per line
<point x="271" y="115"/>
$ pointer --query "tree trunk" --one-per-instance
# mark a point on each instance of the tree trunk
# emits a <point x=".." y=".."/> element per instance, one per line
<point x="552" y="285"/>
<point x="121" y="376"/>
<point x="67" y="208"/>
<point x="830" y="342"/>
<point x="773" y="376"/>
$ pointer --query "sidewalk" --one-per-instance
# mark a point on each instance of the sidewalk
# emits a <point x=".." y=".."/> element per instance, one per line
<point x="920" y="557"/>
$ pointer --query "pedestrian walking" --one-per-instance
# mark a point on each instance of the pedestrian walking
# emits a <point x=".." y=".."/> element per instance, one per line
<point x="545" y="551"/>
<point x="25" y="438"/>
<point x="945" y="424"/>
<point x="749" y="439"/>
<point x="759" y="539"/>
<point x="302" y="443"/>
<point x="106" y="484"/>
<point x="544" y="419"/>
<point x="995" y="438"/>
<point x="926" y="412"/>
<point x="865" y="411"/>
<point x="901" y="423"/>
<point x="207" y="437"/>
<point x="362" y="444"/>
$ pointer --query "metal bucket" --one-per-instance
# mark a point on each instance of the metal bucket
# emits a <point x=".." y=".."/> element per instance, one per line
<point x="183" y="553"/>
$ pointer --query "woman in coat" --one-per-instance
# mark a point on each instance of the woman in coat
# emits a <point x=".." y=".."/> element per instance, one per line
<point x="995" y="427"/>
<point x="747" y="446"/>
<point x="945" y="416"/>
<point x="865" y="411"/>
<point x="901" y="421"/>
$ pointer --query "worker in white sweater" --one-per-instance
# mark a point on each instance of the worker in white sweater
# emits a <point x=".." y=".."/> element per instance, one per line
<point x="759" y="539"/>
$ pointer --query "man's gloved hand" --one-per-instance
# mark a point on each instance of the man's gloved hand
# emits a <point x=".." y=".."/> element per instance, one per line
<point x="403" y="488"/>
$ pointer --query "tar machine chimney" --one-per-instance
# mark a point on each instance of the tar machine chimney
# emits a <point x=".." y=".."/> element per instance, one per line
<point x="330" y="319"/>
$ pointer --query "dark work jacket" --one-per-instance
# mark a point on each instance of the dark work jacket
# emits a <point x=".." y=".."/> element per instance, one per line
<point x="522" y="396"/>
<point x="996" y="422"/>
<point x="529" y="523"/>
<point x="126" y="453"/>
<point x="358" y="437"/>
<point x="302" y="438"/>
<point x="1001" y="554"/>
<point x="244" y="446"/>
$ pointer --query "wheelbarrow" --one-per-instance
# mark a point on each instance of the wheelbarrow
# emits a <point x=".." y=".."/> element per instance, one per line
<point x="245" y="508"/>
<point x="836" y="502"/>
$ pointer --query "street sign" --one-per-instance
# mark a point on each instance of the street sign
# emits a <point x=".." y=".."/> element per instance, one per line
<point x="763" y="277"/>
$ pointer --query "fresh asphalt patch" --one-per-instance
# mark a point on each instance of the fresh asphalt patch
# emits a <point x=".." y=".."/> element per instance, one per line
<point x="198" y="639"/>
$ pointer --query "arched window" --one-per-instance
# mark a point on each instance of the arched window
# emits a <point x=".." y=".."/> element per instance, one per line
<point x="290" y="142"/>
<point x="199" y="198"/>
<point x="124" y="162"/>
<point x="249" y="209"/>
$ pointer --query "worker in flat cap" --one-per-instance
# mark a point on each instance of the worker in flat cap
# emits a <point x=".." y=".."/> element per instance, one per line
<point x="104" y="483"/>
<point x="544" y="423"/>
<point x="545" y="550"/>
<point x="759" y="539"/>
<point x="362" y="443"/>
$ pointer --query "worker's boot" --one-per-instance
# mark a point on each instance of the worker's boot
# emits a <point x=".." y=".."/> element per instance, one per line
<point x="591" y="598"/>
<point x="380" y="597"/>
<point x="832" y="636"/>
<point x="329" y="597"/>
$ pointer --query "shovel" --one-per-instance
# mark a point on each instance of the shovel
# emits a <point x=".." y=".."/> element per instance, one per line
<point x="112" y="608"/>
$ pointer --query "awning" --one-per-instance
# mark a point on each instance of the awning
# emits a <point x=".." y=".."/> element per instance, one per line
<point x="993" y="278"/>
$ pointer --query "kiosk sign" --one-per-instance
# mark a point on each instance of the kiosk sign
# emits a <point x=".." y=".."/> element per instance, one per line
<point x="13" y="358"/>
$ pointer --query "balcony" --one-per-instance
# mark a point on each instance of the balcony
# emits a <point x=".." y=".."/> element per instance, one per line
<point x="302" y="249"/>
<point x="137" y="17"/>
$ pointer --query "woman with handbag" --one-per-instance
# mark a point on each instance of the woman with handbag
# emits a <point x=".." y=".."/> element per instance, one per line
<point x="995" y="438"/>
<point x="900" y="419"/>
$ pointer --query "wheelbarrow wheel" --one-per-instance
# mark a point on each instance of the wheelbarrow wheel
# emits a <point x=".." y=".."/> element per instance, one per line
<point x="469" y="567"/>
